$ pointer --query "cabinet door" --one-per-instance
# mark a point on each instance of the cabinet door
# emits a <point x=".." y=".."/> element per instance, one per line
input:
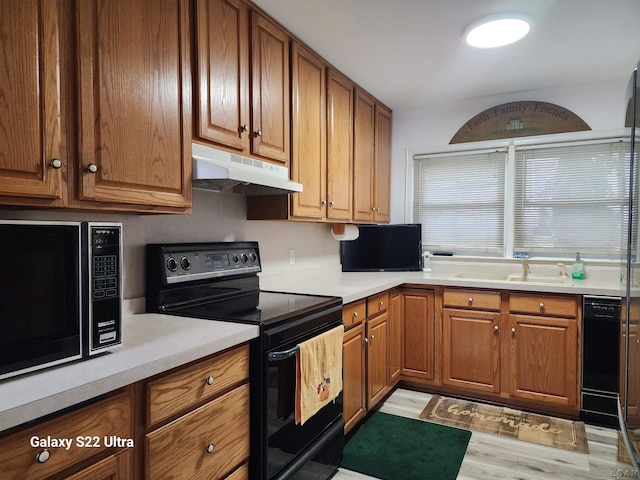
<point x="377" y="344"/>
<point x="470" y="349"/>
<point x="396" y="314"/>
<point x="309" y="128"/>
<point x="382" y="165"/>
<point x="270" y="90"/>
<point x="135" y="102"/>
<point x="354" y="406"/>
<point x="30" y="102"/>
<point x="114" y="467"/>
<point x="543" y="363"/>
<point x="630" y="402"/>
<point x="222" y="46"/>
<point x="339" y="146"/>
<point x="419" y="334"/>
<point x="363" y="148"/>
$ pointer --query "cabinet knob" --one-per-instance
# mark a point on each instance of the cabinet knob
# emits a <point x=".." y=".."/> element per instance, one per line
<point x="92" y="168"/>
<point x="331" y="204"/>
<point x="55" y="163"/>
<point x="43" y="455"/>
<point x="244" y="128"/>
<point x="541" y="306"/>
<point x="381" y="304"/>
<point x="209" y="448"/>
<point x="366" y="340"/>
<point x="259" y="133"/>
<point x="496" y="328"/>
<point x="470" y="300"/>
<point x="210" y="380"/>
<point x="513" y="330"/>
<point x="372" y="337"/>
<point x="373" y="209"/>
<point x="323" y="203"/>
<point x="355" y="314"/>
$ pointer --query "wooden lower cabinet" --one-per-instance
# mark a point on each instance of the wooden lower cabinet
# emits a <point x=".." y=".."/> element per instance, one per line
<point x="471" y="349"/>
<point x="210" y="436"/>
<point x="354" y="401"/>
<point x="396" y="336"/>
<point x="95" y="425"/>
<point x="543" y="359"/>
<point x="377" y="342"/>
<point x="419" y="354"/>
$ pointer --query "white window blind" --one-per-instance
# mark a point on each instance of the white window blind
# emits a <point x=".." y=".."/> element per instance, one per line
<point x="459" y="200"/>
<point x="572" y="197"/>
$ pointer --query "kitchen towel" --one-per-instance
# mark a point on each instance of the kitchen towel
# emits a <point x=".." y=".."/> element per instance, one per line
<point x="318" y="372"/>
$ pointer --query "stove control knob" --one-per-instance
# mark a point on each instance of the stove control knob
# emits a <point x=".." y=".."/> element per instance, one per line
<point x="172" y="264"/>
<point x="244" y="258"/>
<point x="185" y="263"/>
<point x="235" y="259"/>
<point x="253" y="257"/>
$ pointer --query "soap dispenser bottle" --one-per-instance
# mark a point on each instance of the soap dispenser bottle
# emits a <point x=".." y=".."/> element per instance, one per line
<point x="578" y="268"/>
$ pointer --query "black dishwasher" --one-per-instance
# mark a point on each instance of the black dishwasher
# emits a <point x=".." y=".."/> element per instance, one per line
<point x="600" y="359"/>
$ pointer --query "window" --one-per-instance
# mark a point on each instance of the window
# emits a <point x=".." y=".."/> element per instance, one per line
<point x="459" y="200"/>
<point x="542" y="200"/>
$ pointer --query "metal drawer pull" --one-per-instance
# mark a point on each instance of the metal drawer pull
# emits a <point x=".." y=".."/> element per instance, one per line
<point x="43" y="455"/>
<point x="210" y="380"/>
<point x="259" y="133"/>
<point x="56" y="163"/>
<point x="541" y="306"/>
<point x="513" y="330"/>
<point x="496" y="328"/>
<point x="283" y="354"/>
<point x="92" y="168"/>
<point x="355" y="314"/>
<point x="470" y="300"/>
<point x="381" y="304"/>
<point x="209" y="448"/>
<point x="372" y="337"/>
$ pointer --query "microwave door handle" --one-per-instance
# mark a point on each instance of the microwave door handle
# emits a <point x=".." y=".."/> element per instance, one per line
<point x="277" y="356"/>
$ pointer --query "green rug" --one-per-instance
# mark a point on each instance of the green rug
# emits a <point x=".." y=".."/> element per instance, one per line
<point x="398" y="448"/>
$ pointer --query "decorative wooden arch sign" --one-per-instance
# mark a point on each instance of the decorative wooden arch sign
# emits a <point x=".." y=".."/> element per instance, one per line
<point x="519" y="119"/>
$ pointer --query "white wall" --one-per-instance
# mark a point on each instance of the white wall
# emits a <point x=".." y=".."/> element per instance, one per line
<point x="601" y="105"/>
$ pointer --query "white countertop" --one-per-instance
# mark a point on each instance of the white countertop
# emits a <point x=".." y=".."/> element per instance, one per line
<point x="352" y="286"/>
<point x="152" y="344"/>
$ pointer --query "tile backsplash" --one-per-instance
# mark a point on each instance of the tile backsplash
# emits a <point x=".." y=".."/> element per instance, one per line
<point x="216" y="217"/>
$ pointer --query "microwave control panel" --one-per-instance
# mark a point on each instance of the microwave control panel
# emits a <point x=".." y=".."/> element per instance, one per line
<point x="105" y="286"/>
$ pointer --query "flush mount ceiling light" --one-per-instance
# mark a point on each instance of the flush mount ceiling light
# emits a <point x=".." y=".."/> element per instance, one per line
<point x="497" y="30"/>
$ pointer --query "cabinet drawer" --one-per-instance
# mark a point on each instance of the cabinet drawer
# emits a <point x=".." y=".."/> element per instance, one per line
<point x="377" y="303"/>
<point x="93" y="423"/>
<point x="354" y="313"/>
<point x="189" y="386"/>
<point x="555" y="305"/>
<point x="241" y="473"/>
<point x="180" y="449"/>
<point x="478" y="299"/>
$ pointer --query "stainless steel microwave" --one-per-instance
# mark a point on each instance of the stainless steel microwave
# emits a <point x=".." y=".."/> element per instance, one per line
<point x="60" y="292"/>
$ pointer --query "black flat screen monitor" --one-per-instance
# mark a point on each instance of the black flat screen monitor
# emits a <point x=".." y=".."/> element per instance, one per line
<point x="381" y="248"/>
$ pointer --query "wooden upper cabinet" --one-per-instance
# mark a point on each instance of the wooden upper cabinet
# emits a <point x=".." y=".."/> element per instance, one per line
<point x="270" y="116"/>
<point x="30" y="101"/>
<point x="363" y="148"/>
<point x="382" y="165"/>
<point x="309" y="127"/>
<point x="135" y="102"/>
<point x="222" y="46"/>
<point x="340" y="92"/>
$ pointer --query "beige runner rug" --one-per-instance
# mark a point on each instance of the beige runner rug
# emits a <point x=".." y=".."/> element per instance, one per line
<point x="530" y="427"/>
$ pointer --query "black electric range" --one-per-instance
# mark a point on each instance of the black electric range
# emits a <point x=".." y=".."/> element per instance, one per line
<point x="219" y="281"/>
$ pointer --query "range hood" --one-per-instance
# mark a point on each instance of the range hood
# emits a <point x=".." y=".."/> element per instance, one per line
<point x="218" y="170"/>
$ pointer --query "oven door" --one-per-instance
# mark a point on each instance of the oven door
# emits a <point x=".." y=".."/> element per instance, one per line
<point x="316" y="446"/>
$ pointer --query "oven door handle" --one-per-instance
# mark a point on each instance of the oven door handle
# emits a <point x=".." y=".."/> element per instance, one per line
<point x="276" y="356"/>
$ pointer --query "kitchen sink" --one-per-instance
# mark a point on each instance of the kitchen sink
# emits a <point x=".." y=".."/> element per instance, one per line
<point x="488" y="277"/>
<point x="541" y="279"/>
<point x="505" y="277"/>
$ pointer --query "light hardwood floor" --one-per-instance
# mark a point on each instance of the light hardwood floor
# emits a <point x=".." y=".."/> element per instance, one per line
<point x="491" y="457"/>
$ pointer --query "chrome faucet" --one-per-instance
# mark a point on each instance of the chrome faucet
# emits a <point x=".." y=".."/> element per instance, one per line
<point x="525" y="266"/>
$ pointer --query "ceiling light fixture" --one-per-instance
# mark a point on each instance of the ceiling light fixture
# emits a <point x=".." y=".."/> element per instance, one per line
<point x="497" y="30"/>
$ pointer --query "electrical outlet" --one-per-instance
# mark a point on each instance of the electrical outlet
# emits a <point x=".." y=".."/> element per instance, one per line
<point x="292" y="256"/>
